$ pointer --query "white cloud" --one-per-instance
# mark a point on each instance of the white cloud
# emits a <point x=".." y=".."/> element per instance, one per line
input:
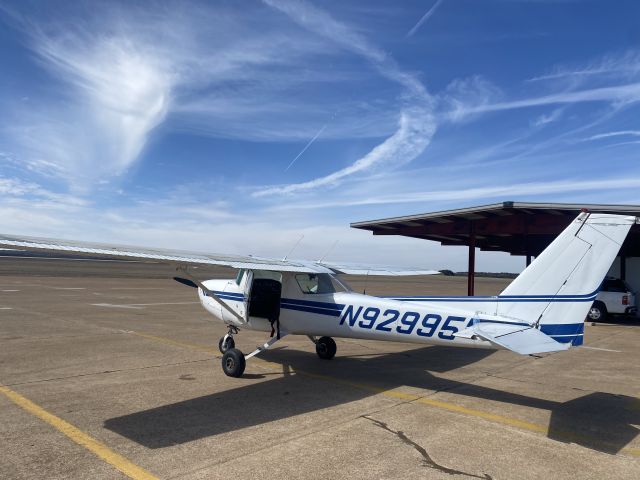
<point x="620" y="144"/>
<point x="414" y="133"/>
<point x="551" y="117"/>
<point x="12" y="188"/>
<point x="416" y="124"/>
<point x="169" y="224"/>
<point x="619" y="65"/>
<point x="632" y="133"/>
<point x="612" y="79"/>
<point x="619" y="94"/>
<point x="113" y="93"/>
<point x="121" y="72"/>
<point x="467" y="194"/>
<point x="465" y="97"/>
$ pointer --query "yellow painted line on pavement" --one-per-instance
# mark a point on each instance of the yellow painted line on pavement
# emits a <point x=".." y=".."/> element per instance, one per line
<point x="78" y="436"/>
<point x="451" y="407"/>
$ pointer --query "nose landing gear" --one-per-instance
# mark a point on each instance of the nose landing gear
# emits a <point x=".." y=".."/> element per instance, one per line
<point x="233" y="360"/>
<point x="225" y="343"/>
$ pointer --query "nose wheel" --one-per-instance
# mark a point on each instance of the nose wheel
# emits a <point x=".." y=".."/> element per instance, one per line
<point x="226" y="343"/>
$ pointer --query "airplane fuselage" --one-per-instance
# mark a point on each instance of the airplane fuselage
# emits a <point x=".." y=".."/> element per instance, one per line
<point x="350" y="315"/>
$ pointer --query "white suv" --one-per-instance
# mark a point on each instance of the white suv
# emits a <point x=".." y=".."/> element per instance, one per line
<point x="615" y="297"/>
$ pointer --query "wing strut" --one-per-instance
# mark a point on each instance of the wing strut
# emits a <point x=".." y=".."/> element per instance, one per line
<point x="183" y="269"/>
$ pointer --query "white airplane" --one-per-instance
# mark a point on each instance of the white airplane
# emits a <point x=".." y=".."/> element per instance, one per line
<point x="542" y="310"/>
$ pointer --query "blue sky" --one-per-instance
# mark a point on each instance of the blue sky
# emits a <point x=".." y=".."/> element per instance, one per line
<point x="240" y="126"/>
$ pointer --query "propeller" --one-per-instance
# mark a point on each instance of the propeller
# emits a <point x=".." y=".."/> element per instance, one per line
<point x="186" y="281"/>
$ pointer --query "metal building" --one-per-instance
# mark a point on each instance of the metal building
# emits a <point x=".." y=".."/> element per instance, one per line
<point x="519" y="228"/>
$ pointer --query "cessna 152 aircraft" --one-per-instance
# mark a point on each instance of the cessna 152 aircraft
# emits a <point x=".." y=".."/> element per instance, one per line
<point x="542" y="310"/>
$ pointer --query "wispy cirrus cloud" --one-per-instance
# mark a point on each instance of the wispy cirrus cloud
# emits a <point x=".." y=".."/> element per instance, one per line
<point x="626" y="64"/>
<point x="464" y="97"/>
<point x="120" y="73"/>
<point x="416" y="123"/>
<point x="618" y="94"/>
<point x="547" y="118"/>
<point x="612" y="79"/>
<point x="474" y="194"/>
<point x="409" y="141"/>
<point x="111" y="92"/>
<point x="619" y="133"/>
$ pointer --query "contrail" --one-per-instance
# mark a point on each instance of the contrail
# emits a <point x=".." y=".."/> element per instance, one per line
<point x="424" y="18"/>
<point x="306" y="146"/>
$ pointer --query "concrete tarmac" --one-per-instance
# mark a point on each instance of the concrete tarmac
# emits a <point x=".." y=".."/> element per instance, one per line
<point x="111" y="370"/>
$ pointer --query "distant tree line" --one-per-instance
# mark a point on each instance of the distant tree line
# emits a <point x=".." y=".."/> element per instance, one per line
<point x="451" y="273"/>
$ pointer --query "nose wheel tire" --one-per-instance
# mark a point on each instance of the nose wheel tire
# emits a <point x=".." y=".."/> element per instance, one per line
<point x="326" y="348"/>
<point x="233" y="363"/>
<point x="223" y="345"/>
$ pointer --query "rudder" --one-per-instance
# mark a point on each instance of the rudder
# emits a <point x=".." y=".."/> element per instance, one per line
<point x="556" y="291"/>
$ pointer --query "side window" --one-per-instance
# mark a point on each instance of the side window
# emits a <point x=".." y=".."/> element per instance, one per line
<point x="239" y="277"/>
<point x="311" y="283"/>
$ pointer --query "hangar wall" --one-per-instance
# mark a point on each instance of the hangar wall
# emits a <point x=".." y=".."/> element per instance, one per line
<point x="633" y="272"/>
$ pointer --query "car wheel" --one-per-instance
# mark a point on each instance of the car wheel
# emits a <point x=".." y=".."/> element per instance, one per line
<point x="597" y="312"/>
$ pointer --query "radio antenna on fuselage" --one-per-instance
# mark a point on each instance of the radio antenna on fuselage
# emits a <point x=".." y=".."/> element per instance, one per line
<point x="294" y="247"/>
<point x="328" y="251"/>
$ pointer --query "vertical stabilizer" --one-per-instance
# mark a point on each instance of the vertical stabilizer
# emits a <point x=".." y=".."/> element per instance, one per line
<point x="556" y="291"/>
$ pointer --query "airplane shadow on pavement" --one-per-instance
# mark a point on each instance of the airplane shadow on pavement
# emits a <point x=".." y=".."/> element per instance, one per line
<point x="599" y="421"/>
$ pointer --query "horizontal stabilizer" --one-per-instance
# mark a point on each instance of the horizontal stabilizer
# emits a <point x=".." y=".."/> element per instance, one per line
<point x="522" y="339"/>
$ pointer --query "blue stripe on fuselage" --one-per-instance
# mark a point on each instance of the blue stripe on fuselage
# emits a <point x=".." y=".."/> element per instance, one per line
<point x="562" y="328"/>
<point x="585" y="297"/>
<point x="563" y="333"/>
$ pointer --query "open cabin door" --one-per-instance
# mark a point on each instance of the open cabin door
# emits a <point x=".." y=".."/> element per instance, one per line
<point x="247" y="283"/>
<point x="263" y="296"/>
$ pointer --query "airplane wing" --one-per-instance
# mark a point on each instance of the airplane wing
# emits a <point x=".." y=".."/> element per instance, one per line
<point x="375" y="270"/>
<point x="522" y="339"/>
<point x="99" y="250"/>
<point x="126" y="252"/>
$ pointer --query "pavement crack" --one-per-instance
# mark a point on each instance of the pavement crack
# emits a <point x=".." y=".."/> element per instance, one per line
<point x="426" y="458"/>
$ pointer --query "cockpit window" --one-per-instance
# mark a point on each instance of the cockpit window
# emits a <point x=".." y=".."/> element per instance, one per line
<point x="319" y="283"/>
<point x="239" y="277"/>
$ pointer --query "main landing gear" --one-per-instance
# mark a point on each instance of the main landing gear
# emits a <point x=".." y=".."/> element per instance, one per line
<point x="233" y="362"/>
<point x="325" y="347"/>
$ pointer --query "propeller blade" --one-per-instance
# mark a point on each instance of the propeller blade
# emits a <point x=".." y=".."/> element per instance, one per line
<point x="185" y="281"/>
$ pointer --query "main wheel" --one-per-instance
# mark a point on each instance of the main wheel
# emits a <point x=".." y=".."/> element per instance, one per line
<point x="233" y="362"/>
<point x="597" y="312"/>
<point x="326" y="348"/>
<point x="224" y="346"/>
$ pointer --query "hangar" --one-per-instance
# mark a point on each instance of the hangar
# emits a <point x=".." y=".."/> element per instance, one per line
<point x="519" y="228"/>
